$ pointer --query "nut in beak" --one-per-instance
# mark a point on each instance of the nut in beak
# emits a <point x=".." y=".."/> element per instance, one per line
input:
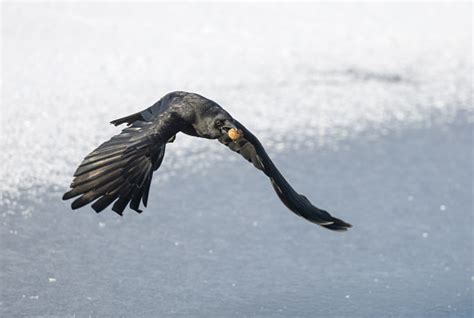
<point x="235" y="134"/>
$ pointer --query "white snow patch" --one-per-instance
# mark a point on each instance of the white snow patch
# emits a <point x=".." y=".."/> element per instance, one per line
<point x="321" y="86"/>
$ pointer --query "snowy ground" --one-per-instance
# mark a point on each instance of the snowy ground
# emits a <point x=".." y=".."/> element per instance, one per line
<point x="367" y="109"/>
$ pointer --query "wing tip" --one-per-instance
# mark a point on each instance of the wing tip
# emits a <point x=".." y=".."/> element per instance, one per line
<point x="325" y="219"/>
<point x="78" y="203"/>
<point x="337" y="225"/>
<point x="68" y="195"/>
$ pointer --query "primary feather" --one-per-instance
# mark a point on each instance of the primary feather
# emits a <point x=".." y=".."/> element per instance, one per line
<point x="120" y="169"/>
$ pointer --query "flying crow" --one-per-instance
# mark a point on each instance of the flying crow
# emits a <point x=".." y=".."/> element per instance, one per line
<point x="120" y="170"/>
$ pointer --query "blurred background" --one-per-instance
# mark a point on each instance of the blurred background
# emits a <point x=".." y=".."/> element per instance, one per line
<point x="365" y="108"/>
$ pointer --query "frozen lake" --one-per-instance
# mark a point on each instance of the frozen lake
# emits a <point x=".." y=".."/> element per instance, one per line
<point x="364" y="109"/>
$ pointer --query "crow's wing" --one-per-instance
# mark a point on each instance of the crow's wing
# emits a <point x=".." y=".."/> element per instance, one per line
<point x="251" y="149"/>
<point x="120" y="169"/>
<point x="149" y="114"/>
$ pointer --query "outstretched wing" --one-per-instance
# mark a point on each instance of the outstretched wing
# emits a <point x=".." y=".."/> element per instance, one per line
<point x="120" y="169"/>
<point x="251" y="149"/>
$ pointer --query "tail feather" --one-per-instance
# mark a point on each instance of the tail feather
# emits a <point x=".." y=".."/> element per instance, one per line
<point x="128" y="119"/>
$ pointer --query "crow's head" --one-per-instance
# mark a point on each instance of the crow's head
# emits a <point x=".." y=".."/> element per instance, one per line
<point x="206" y="117"/>
<point x="214" y="122"/>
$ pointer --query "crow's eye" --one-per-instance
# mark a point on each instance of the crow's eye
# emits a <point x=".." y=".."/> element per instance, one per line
<point x="219" y="123"/>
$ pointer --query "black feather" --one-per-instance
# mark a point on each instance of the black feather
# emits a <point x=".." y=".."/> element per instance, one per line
<point x="97" y="173"/>
<point x="127" y="119"/>
<point x="94" y="193"/>
<point x="92" y="183"/>
<point x="146" y="190"/>
<point x="107" y="199"/>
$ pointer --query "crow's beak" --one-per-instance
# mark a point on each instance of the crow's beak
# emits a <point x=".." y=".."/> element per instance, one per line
<point x="231" y="131"/>
<point x="227" y="126"/>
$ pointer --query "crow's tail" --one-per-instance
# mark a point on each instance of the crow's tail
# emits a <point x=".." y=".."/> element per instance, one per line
<point x="128" y="119"/>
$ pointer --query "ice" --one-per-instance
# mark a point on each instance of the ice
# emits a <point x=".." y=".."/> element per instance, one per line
<point x="365" y="108"/>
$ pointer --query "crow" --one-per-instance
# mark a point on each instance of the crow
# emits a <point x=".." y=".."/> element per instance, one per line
<point x="120" y="170"/>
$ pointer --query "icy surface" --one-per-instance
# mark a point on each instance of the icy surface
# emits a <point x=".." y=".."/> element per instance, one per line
<point x="367" y="109"/>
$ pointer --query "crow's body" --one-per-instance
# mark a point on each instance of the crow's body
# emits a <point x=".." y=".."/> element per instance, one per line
<point x="120" y="170"/>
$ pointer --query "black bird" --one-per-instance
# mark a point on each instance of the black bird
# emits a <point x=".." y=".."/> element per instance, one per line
<point x="120" y="170"/>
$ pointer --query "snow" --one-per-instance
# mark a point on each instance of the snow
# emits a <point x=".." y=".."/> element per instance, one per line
<point x="366" y="108"/>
